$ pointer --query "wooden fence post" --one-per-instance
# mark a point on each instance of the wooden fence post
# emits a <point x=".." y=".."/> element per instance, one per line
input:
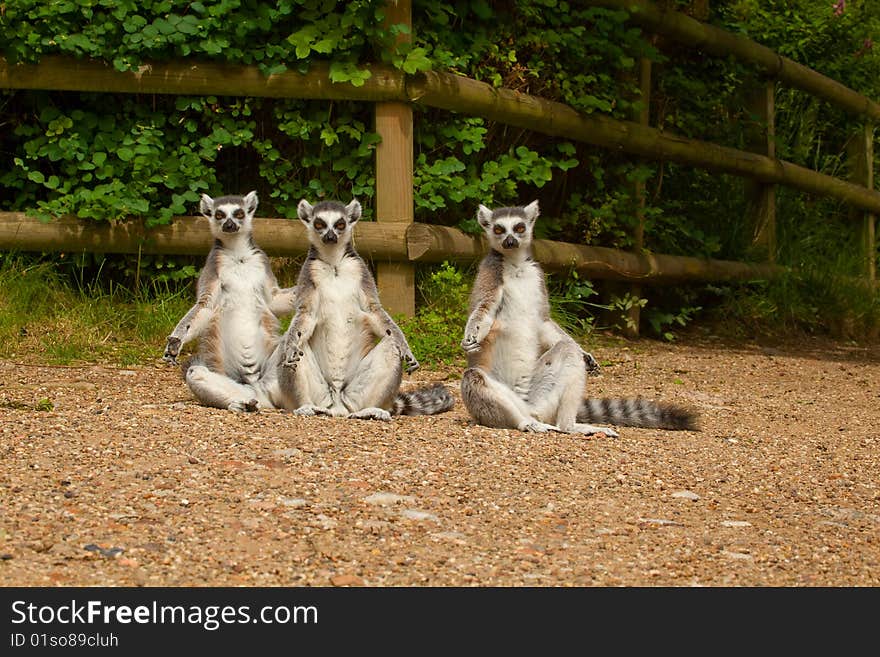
<point x="861" y="155"/>
<point x="643" y="117"/>
<point x="394" y="181"/>
<point x="761" y="197"/>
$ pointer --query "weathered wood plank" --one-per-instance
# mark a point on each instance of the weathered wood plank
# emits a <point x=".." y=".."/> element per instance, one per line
<point x="761" y="197"/>
<point x="197" y="78"/>
<point x="393" y="241"/>
<point x="467" y="96"/>
<point x="715" y="41"/>
<point x="860" y="150"/>
<point x="394" y="181"/>
<point x="427" y="243"/>
<point x="184" y="236"/>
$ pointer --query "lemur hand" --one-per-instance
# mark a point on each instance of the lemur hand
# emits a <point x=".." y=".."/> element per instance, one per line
<point x="474" y="334"/>
<point x="411" y="364"/>
<point x="591" y="364"/>
<point x="292" y="353"/>
<point x="172" y="350"/>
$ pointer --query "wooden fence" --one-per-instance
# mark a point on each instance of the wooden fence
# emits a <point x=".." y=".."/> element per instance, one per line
<point x="395" y="243"/>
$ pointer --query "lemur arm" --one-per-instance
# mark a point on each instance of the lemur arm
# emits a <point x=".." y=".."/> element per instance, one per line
<point x="485" y="302"/>
<point x="551" y="333"/>
<point x="382" y="325"/>
<point x="380" y="321"/>
<point x="191" y="326"/>
<point x="282" y="301"/>
<point x="303" y="324"/>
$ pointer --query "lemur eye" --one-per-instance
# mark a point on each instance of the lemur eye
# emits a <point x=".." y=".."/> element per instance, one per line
<point x="220" y="215"/>
<point x="320" y="224"/>
<point x="519" y="228"/>
<point x="498" y="230"/>
<point x="339" y="225"/>
<point x="238" y="214"/>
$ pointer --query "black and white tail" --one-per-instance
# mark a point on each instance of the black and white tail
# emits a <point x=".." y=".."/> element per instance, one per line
<point x="637" y="412"/>
<point x="423" y="401"/>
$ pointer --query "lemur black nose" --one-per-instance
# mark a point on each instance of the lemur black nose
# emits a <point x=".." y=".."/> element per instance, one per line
<point x="229" y="226"/>
<point x="329" y="237"/>
<point x="510" y="242"/>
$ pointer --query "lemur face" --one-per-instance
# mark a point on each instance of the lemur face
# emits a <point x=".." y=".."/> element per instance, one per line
<point x="229" y="214"/>
<point x="508" y="228"/>
<point x="329" y="222"/>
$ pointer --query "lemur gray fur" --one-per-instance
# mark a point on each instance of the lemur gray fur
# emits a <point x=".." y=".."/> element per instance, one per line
<point x="235" y="316"/>
<point x="342" y="351"/>
<point x="524" y="372"/>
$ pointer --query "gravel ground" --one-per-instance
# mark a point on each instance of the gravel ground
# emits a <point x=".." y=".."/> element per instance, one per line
<point x="129" y="482"/>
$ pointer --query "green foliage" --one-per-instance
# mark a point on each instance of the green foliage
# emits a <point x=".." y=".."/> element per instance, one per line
<point x="811" y="301"/>
<point x="570" y="306"/>
<point x="45" y="314"/>
<point x="661" y="322"/>
<point x="435" y="333"/>
<point x="127" y="33"/>
<point x="106" y="156"/>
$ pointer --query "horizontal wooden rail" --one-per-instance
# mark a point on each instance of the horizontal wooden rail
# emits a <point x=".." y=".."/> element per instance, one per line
<point x="460" y="94"/>
<point x="716" y="41"/>
<point x="184" y="236"/>
<point x="376" y="240"/>
<point x="198" y="78"/>
<point x="445" y="91"/>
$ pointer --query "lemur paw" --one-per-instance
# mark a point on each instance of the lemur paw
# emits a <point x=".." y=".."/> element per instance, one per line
<point x="470" y="343"/>
<point x="591" y="364"/>
<point x="533" y="426"/>
<point x="292" y="357"/>
<point x="590" y="429"/>
<point x="308" y="410"/>
<point x="371" y="414"/>
<point x="411" y="363"/>
<point x="249" y="406"/>
<point x="172" y="350"/>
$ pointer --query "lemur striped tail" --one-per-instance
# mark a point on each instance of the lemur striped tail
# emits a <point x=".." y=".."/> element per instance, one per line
<point x="423" y="401"/>
<point x="636" y="412"/>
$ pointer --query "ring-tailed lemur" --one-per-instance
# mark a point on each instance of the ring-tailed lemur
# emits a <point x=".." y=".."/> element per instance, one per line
<point x="236" y="314"/>
<point x="524" y="372"/>
<point x="342" y="351"/>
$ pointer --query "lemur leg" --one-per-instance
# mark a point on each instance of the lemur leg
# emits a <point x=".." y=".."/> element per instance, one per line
<point x="375" y="382"/>
<point x="306" y="386"/>
<point x="557" y="389"/>
<point x="493" y="404"/>
<point x="219" y="391"/>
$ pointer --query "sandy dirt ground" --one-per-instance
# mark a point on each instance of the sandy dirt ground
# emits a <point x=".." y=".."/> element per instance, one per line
<point x="127" y="481"/>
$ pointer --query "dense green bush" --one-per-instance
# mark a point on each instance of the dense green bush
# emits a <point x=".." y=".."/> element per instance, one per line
<point x="104" y="156"/>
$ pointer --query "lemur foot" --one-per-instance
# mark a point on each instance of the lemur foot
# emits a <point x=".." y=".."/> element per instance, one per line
<point x="533" y="426"/>
<point x="249" y="406"/>
<point x="371" y="414"/>
<point x="309" y="410"/>
<point x="172" y="350"/>
<point x="589" y="430"/>
<point x="591" y="364"/>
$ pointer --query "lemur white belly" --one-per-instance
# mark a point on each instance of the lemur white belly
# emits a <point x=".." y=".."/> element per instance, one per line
<point x="516" y="350"/>
<point x="339" y="338"/>
<point x="244" y="303"/>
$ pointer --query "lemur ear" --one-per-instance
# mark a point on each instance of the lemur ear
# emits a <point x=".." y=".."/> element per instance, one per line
<point x="353" y="211"/>
<point x="250" y="202"/>
<point x="206" y="206"/>
<point x="304" y="211"/>
<point x="484" y="216"/>
<point x="532" y="212"/>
